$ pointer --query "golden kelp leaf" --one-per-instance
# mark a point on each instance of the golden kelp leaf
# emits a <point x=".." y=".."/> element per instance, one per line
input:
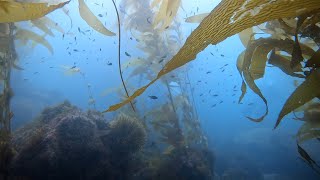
<point x="250" y="81"/>
<point x="290" y="22"/>
<point x="312" y="113"/>
<point x="314" y="61"/>
<point x="239" y="67"/>
<point x="161" y="15"/>
<point x="12" y="11"/>
<point x="172" y="9"/>
<point x="296" y="57"/>
<point x="196" y="18"/>
<point x="25" y="35"/>
<point x="296" y="52"/>
<point x="41" y="25"/>
<point x="167" y="12"/>
<point x="228" y="18"/>
<point x="254" y="62"/>
<point x="92" y="20"/>
<point x="308" y="131"/>
<point x="305" y="106"/>
<point x="258" y="61"/>
<point x="308" y="90"/>
<point x="284" y="64"/>
<point x="246" y="35"/>
<point x="240" y="62"/>
<point x="286" y="25"/>
<point x="243" y="91"/>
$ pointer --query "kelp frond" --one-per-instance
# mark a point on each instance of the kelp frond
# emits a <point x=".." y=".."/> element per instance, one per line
<point x="228" y="18"/>
<point x="92" y="20"/>
<point x="11" y="11"/>
<point x="119" y="57"/>
<point x="24" y="35"/>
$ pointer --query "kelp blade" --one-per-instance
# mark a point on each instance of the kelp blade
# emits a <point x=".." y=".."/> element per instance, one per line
<point x="25" y="35"/>
<point x="92" y="20"/>
<point x="42" y="26"/>
<point x="308" y="90"/>
<point x="228" y="18"/>
<point x="196" y="18"/>
<point x="246" y="35"/>
<point x="308" y="131"/>
<point x="11" y="11"/>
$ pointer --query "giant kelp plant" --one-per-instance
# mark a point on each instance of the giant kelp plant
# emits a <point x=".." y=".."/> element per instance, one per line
<point x="228" y="18"/>
<point x="7" y="61"/>
<point x="175" y="120"/>
<point x="179" y="130"/>
<point x="293" y="47"/>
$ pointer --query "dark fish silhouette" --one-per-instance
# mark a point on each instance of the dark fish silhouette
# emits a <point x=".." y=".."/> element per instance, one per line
<point x="127" y="54"/>
<point x="153" y="97"/>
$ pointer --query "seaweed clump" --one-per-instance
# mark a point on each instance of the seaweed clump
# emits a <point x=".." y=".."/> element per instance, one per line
<point x="180" y="163"/>
<point x="127" y="134"/>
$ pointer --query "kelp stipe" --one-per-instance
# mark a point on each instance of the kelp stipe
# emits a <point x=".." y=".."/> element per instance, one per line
<point x="119" y="55"/>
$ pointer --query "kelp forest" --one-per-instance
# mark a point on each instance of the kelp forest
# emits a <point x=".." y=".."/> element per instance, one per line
<point x="126" y="130"/>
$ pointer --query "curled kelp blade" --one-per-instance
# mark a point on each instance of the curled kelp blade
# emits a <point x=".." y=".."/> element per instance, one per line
<point x="243" y="91"/>
<point x="250" y="81"/>
<point x="228" y="18"/>
<point x="172" y="10"/>
<point x="307" y="158"/>
<point x="284" y="64"/>
<point x="92" y="20"/>
<point x="42" y="26"/>
<point x="196" y="18"/>
<point x="246" y="36"/>
<point x="314" y="61"/>
<point x="254" y="63"/>
<point x="258" y="61"/>
<point x="240" y="70"/>
<point x="161" y="15"/>
<point x="11" y="11"/>
<point x="308" y="131"/>
<point x="167" y="11"/>
<point x="24" y="35"/>
<point x="308" y="90"/>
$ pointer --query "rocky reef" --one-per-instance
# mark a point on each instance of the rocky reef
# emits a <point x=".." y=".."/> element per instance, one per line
<point x="67" y="143"/>
<point x="179" y="163"/>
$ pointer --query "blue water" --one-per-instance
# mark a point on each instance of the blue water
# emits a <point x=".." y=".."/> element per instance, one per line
<point x="238" y="143"/>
